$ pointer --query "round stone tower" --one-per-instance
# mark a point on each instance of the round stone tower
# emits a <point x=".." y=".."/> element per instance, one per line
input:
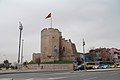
<point x="50" y="38"/>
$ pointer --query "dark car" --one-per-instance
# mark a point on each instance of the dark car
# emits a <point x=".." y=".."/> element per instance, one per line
<point x="1" y="65"/>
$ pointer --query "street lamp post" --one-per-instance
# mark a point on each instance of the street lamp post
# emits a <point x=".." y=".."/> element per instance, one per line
<point x="20" y="28"/>
<point x="22" y="54"/>
<point x="84" y="54"/>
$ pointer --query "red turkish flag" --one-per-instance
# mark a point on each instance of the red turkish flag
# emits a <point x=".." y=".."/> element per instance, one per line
<point x="49" y="15"/>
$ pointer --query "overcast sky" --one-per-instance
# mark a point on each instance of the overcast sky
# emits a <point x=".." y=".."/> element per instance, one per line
<point x="97" y="21"/>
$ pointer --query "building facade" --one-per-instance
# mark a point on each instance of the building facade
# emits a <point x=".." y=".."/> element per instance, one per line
<point x="104" y="54"/>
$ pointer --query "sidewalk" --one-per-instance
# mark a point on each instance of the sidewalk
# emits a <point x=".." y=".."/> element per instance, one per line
<point x="16" y="71"/>
<point x="43" y="70"/>
<point x="29" y="71"/>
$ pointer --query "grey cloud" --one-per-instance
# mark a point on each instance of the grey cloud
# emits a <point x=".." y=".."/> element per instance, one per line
<point x="95" y="20"/>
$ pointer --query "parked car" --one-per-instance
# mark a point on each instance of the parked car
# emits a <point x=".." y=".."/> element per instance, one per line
<point x="96" y="67"/>
<point x="103" y="66"/>
<point x="1" y="65"/>
<point x="117" y="65"/>
<point x="110" y="65"/>
<point x="86" y="65"/>
<point x="90" y="65"/>
<point x="81" y="67"/>
<point x="13" y="66"/>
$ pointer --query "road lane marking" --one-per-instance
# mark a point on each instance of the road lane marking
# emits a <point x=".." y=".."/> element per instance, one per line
<point x="6" y="79"/>
<point x="30" y="79"/>
<point x="60" y="73"/>
<point x="63" y="73"/>
<point x="90" y="78"/>
<point x="56" y="78"/>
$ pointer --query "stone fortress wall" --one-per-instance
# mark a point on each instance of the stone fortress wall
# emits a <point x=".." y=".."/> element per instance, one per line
<point x="54" y="47"/>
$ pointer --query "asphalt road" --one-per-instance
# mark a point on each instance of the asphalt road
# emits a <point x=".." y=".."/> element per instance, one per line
<point x="78" y="75"/>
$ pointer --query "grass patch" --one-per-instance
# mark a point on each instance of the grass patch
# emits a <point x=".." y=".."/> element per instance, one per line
<point x="51" y="62"/>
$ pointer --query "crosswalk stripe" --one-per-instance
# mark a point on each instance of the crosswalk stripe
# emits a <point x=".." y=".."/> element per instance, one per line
<point x="30" y="79"/>
<point x="56" y="78"/>
<point x="6" y="79"/>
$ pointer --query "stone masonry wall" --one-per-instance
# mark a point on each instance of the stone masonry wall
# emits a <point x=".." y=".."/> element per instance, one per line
<point x="49" y="40"/>
<point x="50" y="67"/>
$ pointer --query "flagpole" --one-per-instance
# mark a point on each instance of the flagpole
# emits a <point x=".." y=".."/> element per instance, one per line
<point x="49" y="16"/>
<point x="51" y="21"/>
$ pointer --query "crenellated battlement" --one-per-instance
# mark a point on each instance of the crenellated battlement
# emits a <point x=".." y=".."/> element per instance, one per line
<point x="50" y="29"/>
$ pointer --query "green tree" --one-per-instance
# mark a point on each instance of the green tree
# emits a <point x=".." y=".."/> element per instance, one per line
<point x="6" y="63"/>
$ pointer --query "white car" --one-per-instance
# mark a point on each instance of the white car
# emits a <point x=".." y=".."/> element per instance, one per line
<point x="103" y="66"/>
<point x="96" y="67"/>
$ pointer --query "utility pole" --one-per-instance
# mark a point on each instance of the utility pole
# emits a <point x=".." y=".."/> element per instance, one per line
<point x="20" y="28"/>
<point x="84" y="54"/>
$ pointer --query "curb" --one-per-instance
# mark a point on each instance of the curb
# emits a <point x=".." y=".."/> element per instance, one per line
<point x="29" y="71"/>
<point x="16" y="72"/>
<point x="97" y="70"/>
<point x="37" y="71"/>
<point x="100" y="70"/>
